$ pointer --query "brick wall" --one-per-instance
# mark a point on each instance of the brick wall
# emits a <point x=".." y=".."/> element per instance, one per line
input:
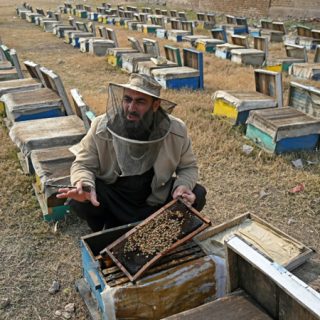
<point x="281" y="8"/>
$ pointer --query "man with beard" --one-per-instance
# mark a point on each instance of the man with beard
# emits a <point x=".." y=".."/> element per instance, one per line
<point x="134" y="159"/>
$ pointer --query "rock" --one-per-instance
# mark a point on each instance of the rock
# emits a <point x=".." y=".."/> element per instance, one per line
<point x="66" y="315"/>
<point x="70" y="307"/>
<point x="263" y="194"/>
<point x="291" y="221"/>
<point x="58" y="313"/>
<point x="298" y="164"/>
<point x="247" y="149"/>
<point x="4" y="303"/>
<point x="60" y="61"/>
<point x="55" y="287"/>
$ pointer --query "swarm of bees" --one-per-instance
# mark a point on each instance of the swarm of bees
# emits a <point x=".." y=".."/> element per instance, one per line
<point x="157" y="235"/>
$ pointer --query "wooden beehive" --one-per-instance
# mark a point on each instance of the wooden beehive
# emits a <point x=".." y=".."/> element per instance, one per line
<point x="307" y="70"/>
<point x="296" y="127"/>
<point x="258" y="289"/>
<point x="182" y="279"/>
<point x="190" y="75"/>
<point x="255" y="56"/>
<point x="236" y="105"/>
<point x="51" y="101"/>
<point x="294" y="54"/>
<point x="41" y="133"/>
<point x="52" y="168"/>
<point x="172" y="59"/>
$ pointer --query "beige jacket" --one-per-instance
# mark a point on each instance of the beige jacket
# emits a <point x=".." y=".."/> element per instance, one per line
<point x="96" y="159"/>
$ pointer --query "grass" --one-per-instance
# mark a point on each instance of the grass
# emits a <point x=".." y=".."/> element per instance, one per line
<point x="33" y="254"/>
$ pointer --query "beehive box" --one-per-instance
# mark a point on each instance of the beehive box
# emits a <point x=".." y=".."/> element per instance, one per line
<point x="172" y="59"/>
<point x="208" y="45"/>
<point x="93" y="16"/>
<point x="296" y="127"/>
<point x="189" y="76"/>
<point x="30" y="16"/>
<point x="258" y="289"/>
<point x="161" y="33"/>
<point x="40" y="133"/>
<point x="193" y="38"/>
<point x="130" y="61"/>
<point x="16" y="86"/>
<point x="150" y="28"/>
<point x="160" y="233"/>
<point x="114" y="55"/>
<point x="254" y="32"/>
<point x="48" y="24"/>
<point x="51" y="101"/>
<point x="21" y="106"/>
<point x="131" y="25"/>
<point x="255" y="56"/>
<point x="252" y="57"/>
<point x="223" y="51"/>
<point x="236" y="105"/>
<point x="168" y="290"/>
<point x="182" y="279"/>
<point x="60" y="29"/>
<point x="176" y="35"/>
<point x="146" y="67"/>
<point x="99" y="47"/>
<point x="294" y="54"/>
<point x="52" y="169"/>
<point x="309" y="71"/>
<point x="76" y="36"/>
<point x="236" y="29"/>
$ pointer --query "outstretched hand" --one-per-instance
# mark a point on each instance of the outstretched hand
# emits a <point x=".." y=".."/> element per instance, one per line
<point x="79" y="194"/>
<point x="185" y="193"/>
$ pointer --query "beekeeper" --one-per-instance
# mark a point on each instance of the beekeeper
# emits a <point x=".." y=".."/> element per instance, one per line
<point x="134" y="159"/>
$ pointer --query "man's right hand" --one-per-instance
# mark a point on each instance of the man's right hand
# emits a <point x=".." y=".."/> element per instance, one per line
<point x="79" y="194"/>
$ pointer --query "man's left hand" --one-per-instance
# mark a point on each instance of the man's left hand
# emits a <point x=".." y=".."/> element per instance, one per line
<point x="185" y="193"/>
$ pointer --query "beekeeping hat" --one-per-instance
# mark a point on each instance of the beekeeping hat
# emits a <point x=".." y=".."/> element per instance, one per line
<point x="147" y="85"/>
<point x="137" y="144"/>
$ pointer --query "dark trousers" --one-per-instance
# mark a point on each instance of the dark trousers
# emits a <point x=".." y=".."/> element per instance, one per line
<point x="99" y="217"/>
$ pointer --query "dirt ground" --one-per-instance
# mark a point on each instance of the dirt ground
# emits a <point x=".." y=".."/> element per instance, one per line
<point x="33" y="253"/>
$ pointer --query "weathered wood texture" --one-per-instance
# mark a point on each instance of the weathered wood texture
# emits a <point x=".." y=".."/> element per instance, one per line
<point x="238" y="306"/>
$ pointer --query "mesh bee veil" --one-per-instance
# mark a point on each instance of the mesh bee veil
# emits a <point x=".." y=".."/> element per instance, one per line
<point x="137" y="143"/>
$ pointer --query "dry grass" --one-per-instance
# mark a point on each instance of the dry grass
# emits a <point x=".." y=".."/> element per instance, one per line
<point x="32" y="255"/>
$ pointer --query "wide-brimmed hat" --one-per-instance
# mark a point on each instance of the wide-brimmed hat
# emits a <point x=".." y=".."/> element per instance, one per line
<point x="147" y="85"/>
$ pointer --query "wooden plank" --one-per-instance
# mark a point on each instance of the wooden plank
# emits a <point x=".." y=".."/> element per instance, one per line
<point x="274" y="276"/>
<point x="34" y="70"/>
<point x="85" y="293"/>
<point x="304" y="98"/>
<point x="296" y="52"/>
<point x="16" y="63"/>
<point x="269" y="83"/>
<point x="80" y="107"/>
<point x="54" y="82"/>
<point x="236" y="306"/>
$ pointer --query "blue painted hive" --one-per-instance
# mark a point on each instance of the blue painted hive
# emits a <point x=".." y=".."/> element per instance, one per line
<point x="289" y="129"/>
<point x="189" y="76"/>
